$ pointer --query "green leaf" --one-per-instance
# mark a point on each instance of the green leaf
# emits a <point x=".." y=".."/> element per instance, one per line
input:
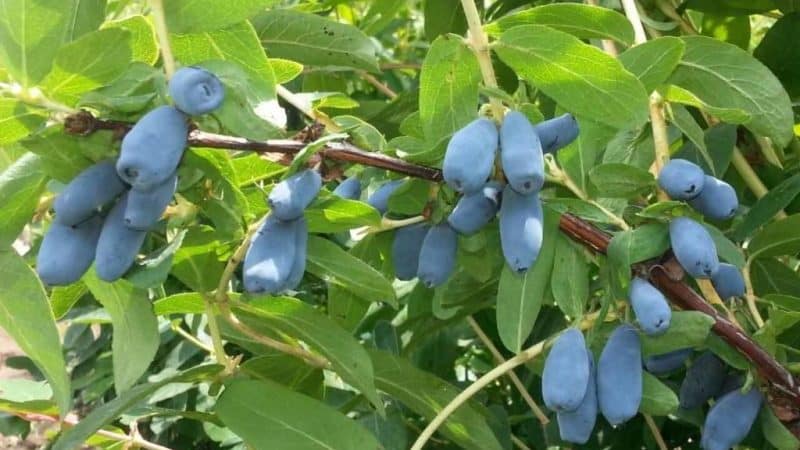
<point x="265" y="413"/>
<point x="426" y="395"/>
<point x="194" y="16"/>
<point x="653" y="62"/>
<point x="719" y="141"/>
<point x="329" y="262"/>
<point x="103" y="415"/>
<point x="724" y="28"/>
<point x="62" y="156"/>
<point x="723" y="75"/>
<point x="570" y="280"/>
<point x="32" y="31"/>
<point x="678" y="94"/>
<point x="686" y="329"/>
<point x="144" y="46"/>
<point x="391" y="431"/>
<point x="410" y="198"/>
<point x="617" y="180"/>
<point x="520" y="296"/>
<point x="285" y="70"/>
<point x="767" y="207"/>
<point x="183" y="303"/>
<point x="332" y="214"/>
<point x="18" y="120"/>
<point x="657" y="398"/>
<point x="346" y="308"/>
<point x="136" y="337"/>
<point x="443" y="17"/>
<point x="295" y="318"/>
<point x="313" y="40"/>
<point x="63" y="298"/>
<point x="771" y="276"/>
<point x="726" y="249"/>
<point x="448" y="87"/>
<point x="783" y="60"/>
<point x="579" y="77"/>
<point x="682" y="118"/>
<point x="287" y="370"/>
<point x="776" y="239"/>
<point x="578" y="158"/>
<point x="581" y="208"/>
<point x="88" y="63"/>
<point x="581" y="21"/>
<point x="26" y="316"/>
<point x="198" y="263"/>
<point x="134" y="91"/>
<point x="730" y="7"/>
<point x="775" y="432"/>
<point x="21" y="185"/>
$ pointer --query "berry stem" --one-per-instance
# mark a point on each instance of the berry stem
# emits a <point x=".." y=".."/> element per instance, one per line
<point x="751" y="178"/>
<point x="480" y="46"/>
<point x="160" y="22"/>
<point x="750" y="296"/>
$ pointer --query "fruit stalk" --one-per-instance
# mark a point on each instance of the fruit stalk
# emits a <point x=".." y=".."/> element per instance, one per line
<point x="160" y="23"/>
<point x="480" y="45"/>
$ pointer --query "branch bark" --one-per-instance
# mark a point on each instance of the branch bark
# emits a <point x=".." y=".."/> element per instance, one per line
<point x="784" y="388"/>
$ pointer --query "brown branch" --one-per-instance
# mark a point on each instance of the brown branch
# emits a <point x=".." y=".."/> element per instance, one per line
<point x="784" y="389"/>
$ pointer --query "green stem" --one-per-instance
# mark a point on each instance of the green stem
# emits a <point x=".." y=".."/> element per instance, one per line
<point x="480" y="46"/>
<point x="160" y="23"/>
<point x="216" y="335"/>
<point x="750" y="177"/>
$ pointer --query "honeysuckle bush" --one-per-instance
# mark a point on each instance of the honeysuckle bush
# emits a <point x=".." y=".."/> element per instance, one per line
<point x="176" y="355"/>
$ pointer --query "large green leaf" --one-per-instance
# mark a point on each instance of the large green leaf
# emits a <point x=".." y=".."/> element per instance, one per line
<point x="520" y="296"/>
<point x="442" y="17"/>
<point x="88" y="63"/>
<point x="299" y="320"/>
<point x="20" y="187"/>
<point x="287" y="370"/>
<point x="782" y="59"/>
<point x="653" y="62"/>
<point x="331" y="263"/>
<point x="32" y="31"/>
<point x="332" y="214"/>
<point x="569" y="282"/>
<point x="18" y="120"/>
<point x="776" y="239"/>
<point x="107" y="412"/>
<point x="313" y="40"/>
<point x="725" y="76"/>
<point x="687" y="329"/>
<point x="620" y="180"/>
<point x="578" y="158"/>
<point x="144" y="46"/>
<point x="426" y="395"/>
<point x="657" y="398"/>
<point x="136" y="337"/>
<point x="579" y="20"/>
<point x="767" y="207"/>
<point x="579" y="77"/>
<point x="448" y="88"/>
<point x="26" y="316"/>
<point x="267" y="416"/>
<point x="771" y="276"/>
<point x="200" y="260"/>
<point x="193" y="16"/>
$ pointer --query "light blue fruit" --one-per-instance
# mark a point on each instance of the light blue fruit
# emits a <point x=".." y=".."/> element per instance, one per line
<point x="566" y="372"/>
<point x="474" y="211"/>
<point x="728" y="281"/>
<point x="619" y="376"/>
<point x="576" y="426"/>
<point x="437" y="258"/>
<point x="289" y="198"/>
<point x="717" y="201"/>
<point x="380" y="198"/>
<point x="67" y="252"/>
<point x="730" y="419"/>
<point x="349" y="189"/>
<point x="667" y="362"/>
<point x="703" y="380"/>
<point x="681" y="179"/>
<point x="145" y="208"/>
<point x="95" y="187"/>
<point x="152" y="149"/>
<point x="521" y="234"/>
<point x="470" y="154"/>
<point x="301" y="249"/>
<point x="557" y="132"/>
<point x="269" y="261"/>
<point x="521" y="154"/>
<point x="693" y="247"/>
<point x="118" y="245"/>
<point x="196" y="91"/>
<point x="406" y="248"/>
<point x="650" y="306"/>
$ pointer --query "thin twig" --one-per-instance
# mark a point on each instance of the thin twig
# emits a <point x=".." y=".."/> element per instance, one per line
<point x="656" y="432"/>
<point x="632" y="13"/>
<point x="160" y="23"/>
<point x="192" y="339"/>
<point x="518" y="442"/>
<point x="608" y="45"/>
<point x="377" y="84"/>
<point x="480" y="46"/>
<point x="498" y="357"/>
<point x="135" y="441"/>
<point x="751" y="178"/>
<point x="301" y="106"/>
<point x="464" y="396"/>
<point x="750" y="296"/>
